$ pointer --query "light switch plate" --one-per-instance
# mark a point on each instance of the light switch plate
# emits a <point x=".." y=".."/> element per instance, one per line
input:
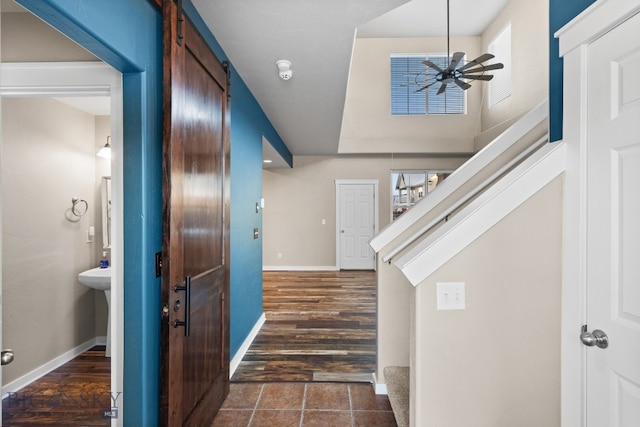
<point x="451" y="296"/>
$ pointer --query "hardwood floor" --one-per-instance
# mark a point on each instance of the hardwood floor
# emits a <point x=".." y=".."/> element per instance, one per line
<point x="320" y="326"/>
<point x="75" y="394"/>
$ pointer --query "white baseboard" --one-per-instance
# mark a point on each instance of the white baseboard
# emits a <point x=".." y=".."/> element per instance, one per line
<point x="379" y="387"/>
<point x="237" y="358"/>
<point x="42" y="370"/>
<point x="300" y="268"/>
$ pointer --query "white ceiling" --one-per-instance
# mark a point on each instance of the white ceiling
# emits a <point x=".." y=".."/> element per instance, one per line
<point x="317" y="37"/>
<point x="428" y="18"/>
<point x="94" y="105"/>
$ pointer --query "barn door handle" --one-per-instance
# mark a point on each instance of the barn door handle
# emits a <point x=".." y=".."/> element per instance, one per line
<point x="187" y="305"/>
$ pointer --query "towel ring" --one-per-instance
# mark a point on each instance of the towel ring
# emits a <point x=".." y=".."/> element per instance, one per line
<point x="81" y="209"/>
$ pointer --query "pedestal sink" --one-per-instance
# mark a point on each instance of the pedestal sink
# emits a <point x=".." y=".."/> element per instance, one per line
<point x="100" y="279"/>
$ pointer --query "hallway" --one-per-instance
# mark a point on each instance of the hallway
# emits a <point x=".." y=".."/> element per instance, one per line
<point x="320" y="326"/>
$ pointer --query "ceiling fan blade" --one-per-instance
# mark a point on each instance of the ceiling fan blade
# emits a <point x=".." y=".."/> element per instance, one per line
<point x="426" y="86"/>
<point x="485" y="77"/>
<point x="484" y="68"/>
<point x="477" y="61"/>
<point x="455" y="60"/>
<point x="461" y="84"/>
<point x="442" y="89"/>
<point x="432" y="65"/>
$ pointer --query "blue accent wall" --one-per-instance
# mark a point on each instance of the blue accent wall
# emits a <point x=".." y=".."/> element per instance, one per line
<point x="560" y="13"/>
<point x="127" y="34"/>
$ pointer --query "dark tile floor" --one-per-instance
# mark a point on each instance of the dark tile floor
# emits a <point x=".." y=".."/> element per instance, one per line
<point x="304" y="405"/>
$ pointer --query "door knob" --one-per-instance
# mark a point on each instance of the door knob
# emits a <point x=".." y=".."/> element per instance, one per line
<point x="6" y="357"/>
<point x="597" y="338"/>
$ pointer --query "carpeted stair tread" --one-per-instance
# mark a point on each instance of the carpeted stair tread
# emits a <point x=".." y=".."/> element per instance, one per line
<point x="397" y="381"/>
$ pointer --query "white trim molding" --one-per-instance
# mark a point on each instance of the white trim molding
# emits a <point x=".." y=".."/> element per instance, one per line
<point x="52" y="364"/>
<point x="300" y="268"/>
<point x="380" y="388"/>
<point x="242" y="351"/>
<point x="37" y="79"/>
<point x="458" y="181"/>
<point x="483" y="213"/>
<point x="594" y="21"/>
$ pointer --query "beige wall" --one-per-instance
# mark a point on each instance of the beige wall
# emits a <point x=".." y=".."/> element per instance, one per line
<point x="26" y="38"/>
<point x="529" y="59"/>
<point x="393" y="305"/>
<point x="297" y="199"/>
<point x="368" y="127"/>
<point x="497" y="363"/>
<point x="48" y="156"/>
<point x="367" y="124"/>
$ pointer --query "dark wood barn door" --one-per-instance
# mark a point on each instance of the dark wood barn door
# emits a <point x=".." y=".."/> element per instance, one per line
<point x="195" y="277"/>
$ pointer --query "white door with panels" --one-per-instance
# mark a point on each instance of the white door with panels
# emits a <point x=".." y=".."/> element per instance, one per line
<point x="612" y="331"/>
<point x="356" y="225"/>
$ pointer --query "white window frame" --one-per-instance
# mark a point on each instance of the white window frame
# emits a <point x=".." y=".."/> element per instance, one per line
<point x="500" y="86"/>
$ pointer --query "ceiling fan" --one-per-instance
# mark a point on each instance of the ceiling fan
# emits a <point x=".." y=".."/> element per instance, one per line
<point x="472" y="70"/>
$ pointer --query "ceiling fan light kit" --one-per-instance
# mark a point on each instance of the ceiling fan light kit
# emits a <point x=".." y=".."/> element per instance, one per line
<point x="472" y="70"/>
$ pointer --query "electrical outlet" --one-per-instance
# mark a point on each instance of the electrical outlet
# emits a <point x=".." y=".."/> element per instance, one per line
<point x="279" y="255"/>
<point x="451" y="296"/>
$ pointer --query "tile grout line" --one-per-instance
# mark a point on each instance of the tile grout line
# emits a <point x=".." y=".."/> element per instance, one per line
<point x="304" y="402"/>
<point x="255" y="407"/>
<point x="353" y="421"/>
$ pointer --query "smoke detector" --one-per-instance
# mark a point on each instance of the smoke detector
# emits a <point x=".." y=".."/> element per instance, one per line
<point x="284" y="69"/>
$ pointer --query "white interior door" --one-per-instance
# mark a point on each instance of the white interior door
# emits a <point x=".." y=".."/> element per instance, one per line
<point x="613" y="227"/>
<point x="357" y="226"/>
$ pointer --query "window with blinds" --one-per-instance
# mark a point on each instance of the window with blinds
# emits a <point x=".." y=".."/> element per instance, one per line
<point x="405" y="100"/>
<point x="500" y="85"/>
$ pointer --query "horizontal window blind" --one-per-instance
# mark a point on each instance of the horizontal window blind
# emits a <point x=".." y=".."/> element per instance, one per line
<point x="404" y="98"/>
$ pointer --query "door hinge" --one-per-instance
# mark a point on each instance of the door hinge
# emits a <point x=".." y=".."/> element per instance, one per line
<point x="158" y="264"/>
<point x="180" y="22"/>
<point x="227" y="68"/>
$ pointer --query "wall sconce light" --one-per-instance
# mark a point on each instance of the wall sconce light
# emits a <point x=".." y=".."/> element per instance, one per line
<point x="284" y="69"/>
<point x="105" y="152"/>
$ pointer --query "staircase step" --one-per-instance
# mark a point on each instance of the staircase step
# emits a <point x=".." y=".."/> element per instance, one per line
<point x="397" y="381"/>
